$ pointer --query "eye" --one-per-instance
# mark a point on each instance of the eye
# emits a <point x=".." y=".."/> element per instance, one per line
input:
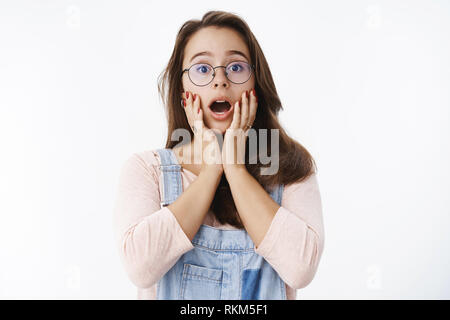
<point x="202" y="68"/>
<point x="236" y="67"/>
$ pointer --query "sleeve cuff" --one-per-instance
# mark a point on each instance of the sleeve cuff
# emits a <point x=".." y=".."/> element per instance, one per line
<point x="271" y="237"/>
<point x="180" y="237"/>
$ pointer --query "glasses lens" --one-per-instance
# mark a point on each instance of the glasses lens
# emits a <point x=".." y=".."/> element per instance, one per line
<point x="238" y="71"/>
<point x="201" y="74"/>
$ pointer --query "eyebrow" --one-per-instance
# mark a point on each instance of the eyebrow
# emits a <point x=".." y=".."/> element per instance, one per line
<point x="229" y="52"/>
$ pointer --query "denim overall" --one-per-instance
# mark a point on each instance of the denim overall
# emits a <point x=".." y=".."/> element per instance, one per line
<point x="223" y="264"/>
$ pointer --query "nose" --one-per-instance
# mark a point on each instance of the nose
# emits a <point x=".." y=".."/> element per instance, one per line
<point x="220" y="78"/>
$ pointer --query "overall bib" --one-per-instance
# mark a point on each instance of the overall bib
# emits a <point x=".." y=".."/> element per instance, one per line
<point x="223" y="264"/>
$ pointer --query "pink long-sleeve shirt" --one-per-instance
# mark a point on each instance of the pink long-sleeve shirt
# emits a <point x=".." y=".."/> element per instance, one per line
<point x="150" y="239"/>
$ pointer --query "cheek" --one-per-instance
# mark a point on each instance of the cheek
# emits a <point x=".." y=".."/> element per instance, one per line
<point x="186" y="84"/>
<point x="189" y="86"/>
<point x="249" y="85"/>
<point x="252" y="83"/>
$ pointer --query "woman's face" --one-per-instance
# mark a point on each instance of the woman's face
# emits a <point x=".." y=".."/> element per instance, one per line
<point x="221" y="46"/>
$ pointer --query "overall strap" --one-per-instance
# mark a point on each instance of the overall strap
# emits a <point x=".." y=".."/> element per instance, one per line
<point x="277" y="193"/>
<point x="171" y="172"/>
<point x="280" y="190"/>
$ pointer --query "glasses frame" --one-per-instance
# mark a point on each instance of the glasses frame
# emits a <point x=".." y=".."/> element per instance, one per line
<point x="252" y="68"/>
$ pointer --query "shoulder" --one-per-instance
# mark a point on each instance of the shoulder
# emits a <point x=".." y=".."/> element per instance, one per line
<point x="144" y="162"/>
<point x="308" y="186"/>
<point x="304" y="200"/>
<point x="149" y="157"/>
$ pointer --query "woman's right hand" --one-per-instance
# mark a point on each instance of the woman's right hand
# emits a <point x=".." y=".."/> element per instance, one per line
<point x="205" y="140"/>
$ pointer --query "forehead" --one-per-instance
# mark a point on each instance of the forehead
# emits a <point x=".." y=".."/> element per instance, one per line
<point x="218" y="41"/>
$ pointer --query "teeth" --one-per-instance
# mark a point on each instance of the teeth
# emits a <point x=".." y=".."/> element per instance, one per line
<point x="223" y="112"/>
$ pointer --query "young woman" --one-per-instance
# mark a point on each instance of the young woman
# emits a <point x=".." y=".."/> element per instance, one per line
<point x="223" y="227"/>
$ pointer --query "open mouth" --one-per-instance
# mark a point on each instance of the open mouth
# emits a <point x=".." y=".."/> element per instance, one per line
<point x="220" y="107"/>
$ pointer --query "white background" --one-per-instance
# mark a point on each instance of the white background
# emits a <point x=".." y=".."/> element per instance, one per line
<point x="364" y="86"/>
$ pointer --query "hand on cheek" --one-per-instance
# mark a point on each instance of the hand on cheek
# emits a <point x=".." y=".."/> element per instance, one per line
<point x="233" y="151"/>
<point x="194" y="113"/>
<point x="245" y="111"/>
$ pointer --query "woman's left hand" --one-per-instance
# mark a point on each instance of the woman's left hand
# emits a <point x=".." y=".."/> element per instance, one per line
<point x="233" y="152"/>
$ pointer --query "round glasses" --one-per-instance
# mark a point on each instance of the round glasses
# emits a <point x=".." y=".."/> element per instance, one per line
<point x="201" y="74"/>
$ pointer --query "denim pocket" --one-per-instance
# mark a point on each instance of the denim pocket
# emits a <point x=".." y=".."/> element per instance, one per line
<point x="200" y="283"/>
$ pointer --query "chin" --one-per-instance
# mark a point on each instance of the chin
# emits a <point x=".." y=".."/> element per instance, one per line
<point x="222" y="127"/>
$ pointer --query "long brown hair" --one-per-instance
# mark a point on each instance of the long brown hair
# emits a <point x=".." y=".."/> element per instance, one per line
<point x="295" y="162"/>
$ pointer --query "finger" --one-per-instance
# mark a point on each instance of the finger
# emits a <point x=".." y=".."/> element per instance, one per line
<point x="236" y="115"/>
<point x="197" y="112"/>
<point x="189" y="99"/>
<point x="196" y="109"/>
<point x="253" y="107"/>
<point x="188" y="109"/>
<point x="244" y="110"/>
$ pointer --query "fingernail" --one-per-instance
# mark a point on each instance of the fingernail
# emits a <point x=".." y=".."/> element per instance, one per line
<point x="195" y="96"/>
<point x="198" y="111"/>
<point x="184" y="103"/>
<point x="187" y="94"/>
<point x="246" y="94"/>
